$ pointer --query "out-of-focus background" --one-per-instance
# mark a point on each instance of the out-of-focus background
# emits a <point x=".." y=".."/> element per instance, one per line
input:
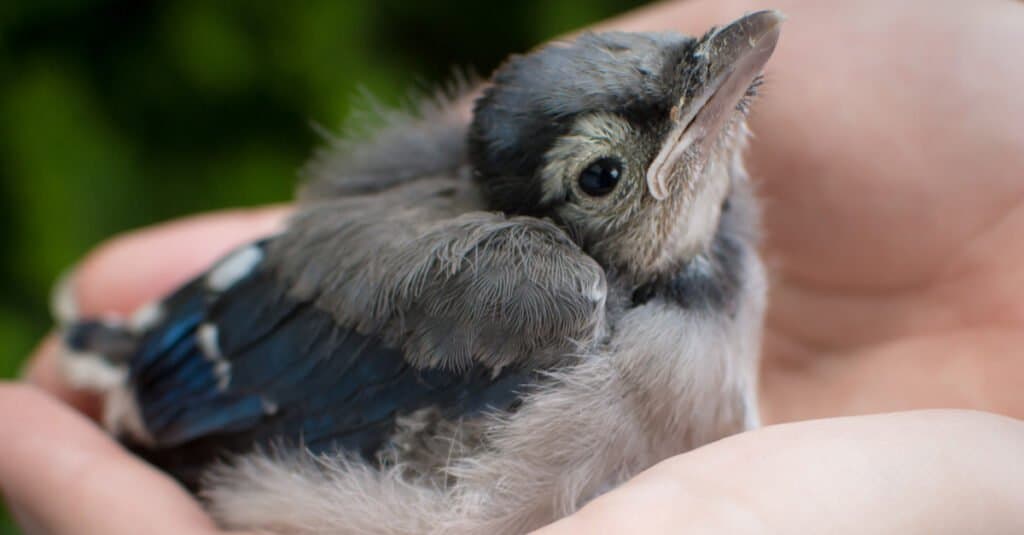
<point x="118" y="114"/>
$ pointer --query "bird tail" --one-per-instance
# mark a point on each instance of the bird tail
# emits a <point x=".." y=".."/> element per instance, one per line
<point x="94" y="354"/>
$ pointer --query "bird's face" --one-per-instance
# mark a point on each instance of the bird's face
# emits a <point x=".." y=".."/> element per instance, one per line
<point x="631" y="141"/>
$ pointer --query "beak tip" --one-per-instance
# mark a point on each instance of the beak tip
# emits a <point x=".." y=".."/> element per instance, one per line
<point x="762" y="26"/>
<point x="775" y="14"/>
<point x="766" y="18"/>
<point x="756" y="33"/>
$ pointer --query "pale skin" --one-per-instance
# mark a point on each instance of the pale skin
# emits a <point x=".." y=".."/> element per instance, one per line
<point x="889" y="148"/>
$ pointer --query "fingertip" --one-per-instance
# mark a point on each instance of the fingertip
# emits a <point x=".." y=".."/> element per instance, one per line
<point x="63" y="473"/>
<point x="135" y="268"/>
<point x="43" y="371"/>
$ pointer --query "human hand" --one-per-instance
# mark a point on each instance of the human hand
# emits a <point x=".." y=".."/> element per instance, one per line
<point x="61" y="475"/>
<point x="922" y="472"/>
<point x="888" y="147"/>
<point x="947" y="472"/>
<point x="59" y="472"/>
<point x="850" y="329"/>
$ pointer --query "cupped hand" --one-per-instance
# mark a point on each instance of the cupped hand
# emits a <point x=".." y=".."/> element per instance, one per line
<point x="63" y="476"/>
<point x="925" y="472"/>
<point x="888" y="148"/>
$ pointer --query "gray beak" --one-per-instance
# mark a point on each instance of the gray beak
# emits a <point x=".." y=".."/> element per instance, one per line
<point x="735" y="55"/>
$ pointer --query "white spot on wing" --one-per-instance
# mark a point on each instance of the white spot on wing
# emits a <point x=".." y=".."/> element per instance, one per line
<point x="223" y="372"/>
<point x="208" y="337"/>
<point x="147" y="317"/>
<point x="90" y="371"/>
<point x="234" y="268"/>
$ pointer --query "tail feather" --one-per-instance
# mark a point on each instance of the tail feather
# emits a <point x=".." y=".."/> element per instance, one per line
<point x="96" y="354"/>
<point x="113" y="341"/>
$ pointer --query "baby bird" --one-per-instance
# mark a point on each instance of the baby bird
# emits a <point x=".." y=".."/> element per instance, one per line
<point x="472" y="328"/>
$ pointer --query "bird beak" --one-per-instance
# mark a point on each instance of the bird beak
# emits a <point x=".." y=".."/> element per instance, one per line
<point x="734" y="54"/>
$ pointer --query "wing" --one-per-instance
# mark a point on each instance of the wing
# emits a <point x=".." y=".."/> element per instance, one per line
<point x="449" y="286"/>
<point x="235" y="363"/>
<point x="365" y="310"/>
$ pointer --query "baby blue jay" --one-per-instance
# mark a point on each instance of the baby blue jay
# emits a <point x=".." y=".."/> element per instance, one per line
<point x="471" y="328"/>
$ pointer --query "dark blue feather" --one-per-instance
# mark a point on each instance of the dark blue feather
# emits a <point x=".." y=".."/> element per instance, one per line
<point x="295" y="377"/>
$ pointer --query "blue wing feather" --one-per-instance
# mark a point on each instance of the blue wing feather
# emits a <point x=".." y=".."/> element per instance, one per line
<point x="287" y="374"/>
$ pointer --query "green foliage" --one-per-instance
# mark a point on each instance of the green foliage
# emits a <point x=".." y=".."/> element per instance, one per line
<point x="118" y="114"/>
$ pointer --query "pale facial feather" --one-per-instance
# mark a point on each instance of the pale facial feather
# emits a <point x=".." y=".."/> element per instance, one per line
<point x="591" y="137"/>
<point x="630" y="227"/>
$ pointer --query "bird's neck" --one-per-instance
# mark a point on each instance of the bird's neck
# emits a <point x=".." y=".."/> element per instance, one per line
<point x="709" y="280"/>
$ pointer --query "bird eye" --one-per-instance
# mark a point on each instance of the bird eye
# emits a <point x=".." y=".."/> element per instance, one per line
<point x="601" y="176"/>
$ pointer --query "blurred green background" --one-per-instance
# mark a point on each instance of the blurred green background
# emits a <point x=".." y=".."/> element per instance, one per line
<point x="119" y="114"/>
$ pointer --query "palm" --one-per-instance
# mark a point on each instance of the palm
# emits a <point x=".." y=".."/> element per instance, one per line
<point x="894" y="213"/>
<point x="888" y="146"/>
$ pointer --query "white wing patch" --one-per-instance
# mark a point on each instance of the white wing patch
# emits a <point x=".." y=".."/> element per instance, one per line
<point x="208" y="336"/>
<point x="147" y="317"/>
<point x="234" y="268"/>
<point x="90" y="371"/>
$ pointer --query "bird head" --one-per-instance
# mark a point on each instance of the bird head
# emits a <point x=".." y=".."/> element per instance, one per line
<point x="629" y="140"/>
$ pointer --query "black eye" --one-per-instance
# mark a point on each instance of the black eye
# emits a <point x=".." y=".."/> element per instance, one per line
<point x="601" y="176"/>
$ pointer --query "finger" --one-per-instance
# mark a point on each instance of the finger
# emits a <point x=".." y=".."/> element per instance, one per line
<point x="42" y="371"/>
<point x="65" y="476"/>
<point x="892" y="473"/>
<point x="133" y="269"/>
